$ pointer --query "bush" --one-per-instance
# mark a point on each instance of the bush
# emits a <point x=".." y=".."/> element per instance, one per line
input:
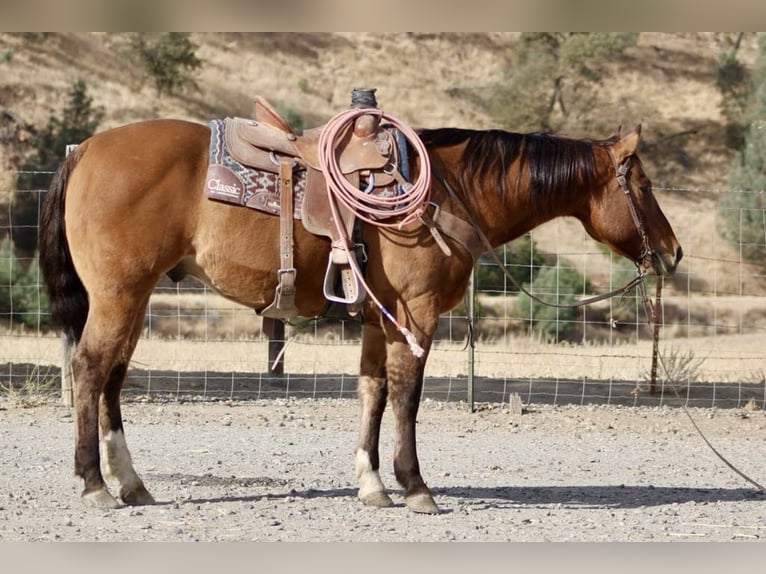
<point x="560" y="285"/>
<point x="170" y="59"/>
<point x="732" y="79"/>
<point x="556" y="76"/>
<point x="22" y="297"/>
<point x="522" y="260"/>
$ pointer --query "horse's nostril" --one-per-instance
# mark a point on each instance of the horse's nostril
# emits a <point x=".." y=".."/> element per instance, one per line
<point x="679" y="254"/>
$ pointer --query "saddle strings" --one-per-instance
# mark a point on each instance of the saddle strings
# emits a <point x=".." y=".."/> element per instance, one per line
<point x="395" y="211"/>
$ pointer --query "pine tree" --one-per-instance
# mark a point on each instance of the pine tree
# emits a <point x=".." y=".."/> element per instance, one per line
<point x="79" y="120"/>
<point x="170" y="60"/>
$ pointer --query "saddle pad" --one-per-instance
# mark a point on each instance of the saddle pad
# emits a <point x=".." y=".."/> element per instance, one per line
<point x="229" y="181"/>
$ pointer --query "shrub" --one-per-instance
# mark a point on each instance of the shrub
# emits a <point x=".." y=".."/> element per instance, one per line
<point x="170" y="59"/>
<point x="522" y="260"/>
<point x="22" y="297"/>
<point x="559" y="285"/>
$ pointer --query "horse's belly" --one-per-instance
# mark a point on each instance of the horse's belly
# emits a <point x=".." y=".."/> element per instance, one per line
<point x="247" y="270"/>
<point x="244" y="284"/>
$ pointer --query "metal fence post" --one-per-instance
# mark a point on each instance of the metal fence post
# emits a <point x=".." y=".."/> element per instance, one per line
<point x="67" y="389"/>
<point x="471" y="298"/>
<point x="274" y="329"/>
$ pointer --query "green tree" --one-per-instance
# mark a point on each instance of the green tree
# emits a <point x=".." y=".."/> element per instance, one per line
<point x="743" y="211"/>
<point x="560" y="285"/>
<point x="170" y="59"/>
<point x="79" y="120"/>
<point x="555" y="73"/>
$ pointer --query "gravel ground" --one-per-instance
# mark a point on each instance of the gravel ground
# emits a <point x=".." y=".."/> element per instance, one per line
<point x="282" y="470"/>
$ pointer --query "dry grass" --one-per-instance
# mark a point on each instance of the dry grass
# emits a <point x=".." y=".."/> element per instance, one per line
<point x="37" y="387"/>
<point x="731" y="358"/>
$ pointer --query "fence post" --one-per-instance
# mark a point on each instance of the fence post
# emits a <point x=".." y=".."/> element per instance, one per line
<point x="471" y="298"/>
<point x="67" y="389"/>
<point x="274" y="330"/>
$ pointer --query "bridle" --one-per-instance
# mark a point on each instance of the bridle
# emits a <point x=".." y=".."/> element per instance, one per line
<point x="622" y="171"/>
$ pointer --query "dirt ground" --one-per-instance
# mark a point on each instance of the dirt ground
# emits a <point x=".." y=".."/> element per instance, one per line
<point x="282" y="470"/>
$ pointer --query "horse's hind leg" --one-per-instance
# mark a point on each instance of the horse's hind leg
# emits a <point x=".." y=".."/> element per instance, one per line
<point x="115" y="457"/>
<point x="99" y="361"/>
<point x="372" y="393"/>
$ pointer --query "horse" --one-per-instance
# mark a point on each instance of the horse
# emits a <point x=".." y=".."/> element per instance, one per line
<point x="127" y="207"/>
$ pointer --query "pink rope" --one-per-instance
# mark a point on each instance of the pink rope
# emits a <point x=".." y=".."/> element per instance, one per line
<point x="389" y="211"/>
<point x="380" y="211"/>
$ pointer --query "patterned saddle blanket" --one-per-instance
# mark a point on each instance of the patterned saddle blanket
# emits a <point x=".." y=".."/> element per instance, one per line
<point x="230" y="181"/>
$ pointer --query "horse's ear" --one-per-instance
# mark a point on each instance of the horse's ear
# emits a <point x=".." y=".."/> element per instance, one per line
<point x="627" y="145"/>
<point x="617" y="134"/>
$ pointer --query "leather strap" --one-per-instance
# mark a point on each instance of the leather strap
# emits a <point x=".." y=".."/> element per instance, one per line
<point x="284" y="299"/>
<point x="456" y="228"/>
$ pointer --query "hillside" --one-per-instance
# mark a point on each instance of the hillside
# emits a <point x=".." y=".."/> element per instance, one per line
<point x="665" y="83"/>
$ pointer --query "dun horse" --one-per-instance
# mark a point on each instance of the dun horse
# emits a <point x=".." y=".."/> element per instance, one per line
<point x="127" y="207"/>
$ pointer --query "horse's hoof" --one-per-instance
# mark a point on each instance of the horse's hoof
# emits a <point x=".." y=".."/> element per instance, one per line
<point x="137" y="497"/>
<point x="378" y="499"/>
<point x="422" y="503"/>
<point x="99" y="499"/>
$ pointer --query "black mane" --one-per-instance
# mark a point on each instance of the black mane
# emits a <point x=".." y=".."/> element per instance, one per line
<point x="555" y="164"/>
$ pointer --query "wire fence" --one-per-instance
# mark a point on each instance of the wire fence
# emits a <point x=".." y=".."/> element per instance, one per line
<point x="197" y="345"/>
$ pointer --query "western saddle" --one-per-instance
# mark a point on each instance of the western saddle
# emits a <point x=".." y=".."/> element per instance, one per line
<point x="365" y="152"/>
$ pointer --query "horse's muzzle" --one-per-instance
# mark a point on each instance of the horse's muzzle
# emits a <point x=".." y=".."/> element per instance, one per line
<point x="666" y="263"/>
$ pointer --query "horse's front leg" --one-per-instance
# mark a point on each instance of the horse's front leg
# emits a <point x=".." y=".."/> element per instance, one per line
<point x="372" y="393"/>
<point x="405" y="384"/>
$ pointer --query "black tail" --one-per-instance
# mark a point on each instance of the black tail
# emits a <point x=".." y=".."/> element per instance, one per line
<point x="67" y="294"/>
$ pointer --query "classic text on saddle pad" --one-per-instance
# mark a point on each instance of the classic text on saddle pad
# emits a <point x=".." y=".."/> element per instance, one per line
<point x="230" y="181"/>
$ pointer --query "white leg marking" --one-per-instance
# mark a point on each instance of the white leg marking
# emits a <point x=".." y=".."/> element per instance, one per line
<point x="116" y="461"/>
<point x="369" y="479"/>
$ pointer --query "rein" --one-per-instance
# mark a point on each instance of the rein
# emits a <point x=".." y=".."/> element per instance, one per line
<point x="651" y="314"/>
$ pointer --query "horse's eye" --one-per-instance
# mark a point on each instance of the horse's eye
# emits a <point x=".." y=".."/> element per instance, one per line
<point x="645" y="189"/>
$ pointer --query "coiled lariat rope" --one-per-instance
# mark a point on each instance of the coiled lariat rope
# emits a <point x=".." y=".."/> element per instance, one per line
<point x="383" y="211"/>
<point x="391" y="211"/>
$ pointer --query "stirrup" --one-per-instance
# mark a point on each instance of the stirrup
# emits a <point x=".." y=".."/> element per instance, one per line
<point x="351" y="294"/>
